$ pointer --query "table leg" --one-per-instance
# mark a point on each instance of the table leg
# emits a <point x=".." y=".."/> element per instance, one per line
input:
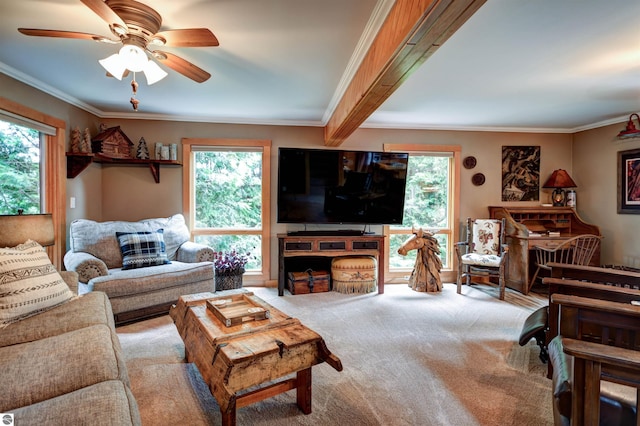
<point x="303" y="390"/>
<point x="229" y="416"/>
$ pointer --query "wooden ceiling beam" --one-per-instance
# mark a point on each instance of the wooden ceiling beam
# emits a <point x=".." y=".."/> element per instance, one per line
<point x="412" y="32"/>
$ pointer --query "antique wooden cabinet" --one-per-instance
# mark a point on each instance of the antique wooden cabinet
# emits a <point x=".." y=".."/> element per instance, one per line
<point x="528" y="227"/>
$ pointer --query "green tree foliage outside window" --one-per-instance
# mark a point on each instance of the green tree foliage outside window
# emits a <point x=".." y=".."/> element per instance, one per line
<point x="19" y="169"/>
<point x="229" y="196"/>
<point x="426" y="203"/>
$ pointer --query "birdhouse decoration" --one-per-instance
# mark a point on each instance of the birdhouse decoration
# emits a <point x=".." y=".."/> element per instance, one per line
<point x="113" y="143"/>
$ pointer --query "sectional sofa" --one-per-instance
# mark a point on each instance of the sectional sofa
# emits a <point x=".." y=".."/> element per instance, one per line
<point x="60" y="357"/>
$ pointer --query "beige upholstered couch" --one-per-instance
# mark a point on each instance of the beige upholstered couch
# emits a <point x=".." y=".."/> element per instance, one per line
<point x="95" y="254"/>
<point x="64" y="366"/>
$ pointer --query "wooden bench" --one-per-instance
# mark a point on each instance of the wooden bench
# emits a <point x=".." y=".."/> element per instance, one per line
<point x="586" y="281"/>
<point x="607" y="276"/>
<point x="603" y="337"/>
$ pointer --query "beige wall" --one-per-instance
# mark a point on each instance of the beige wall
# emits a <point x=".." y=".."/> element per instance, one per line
<point x="595" y="157"/>
<point x="130" y="193"/>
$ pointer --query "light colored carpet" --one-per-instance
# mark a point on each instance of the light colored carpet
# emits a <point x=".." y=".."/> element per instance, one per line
<point x="409" y="359"/>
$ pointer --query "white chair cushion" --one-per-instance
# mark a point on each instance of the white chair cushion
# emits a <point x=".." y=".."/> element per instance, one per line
<point x="481" y="259"/>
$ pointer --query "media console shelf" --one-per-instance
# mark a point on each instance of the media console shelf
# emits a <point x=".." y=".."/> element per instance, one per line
<point x="77" y="162"/>
<point x="296" y="253"/>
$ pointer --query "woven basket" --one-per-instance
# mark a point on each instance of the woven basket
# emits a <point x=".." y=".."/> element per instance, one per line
<point x="228" y="281"/>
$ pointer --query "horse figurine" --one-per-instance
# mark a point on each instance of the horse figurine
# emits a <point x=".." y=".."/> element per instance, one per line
<point x="426" y="271"/>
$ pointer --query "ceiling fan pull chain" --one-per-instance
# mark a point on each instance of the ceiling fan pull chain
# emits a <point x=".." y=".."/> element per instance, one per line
<point x="134" y="86"/>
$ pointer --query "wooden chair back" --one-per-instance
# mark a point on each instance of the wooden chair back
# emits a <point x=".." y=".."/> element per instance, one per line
<point x="578" y="250"/>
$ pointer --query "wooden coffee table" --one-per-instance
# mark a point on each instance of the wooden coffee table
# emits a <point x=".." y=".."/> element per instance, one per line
<point x="238" y="341"/>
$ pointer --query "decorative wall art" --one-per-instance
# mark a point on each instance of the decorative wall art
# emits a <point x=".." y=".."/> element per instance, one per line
<point x="629" y="181"/>
<point x="520" y="173"/>
<point x="469" y="162"/>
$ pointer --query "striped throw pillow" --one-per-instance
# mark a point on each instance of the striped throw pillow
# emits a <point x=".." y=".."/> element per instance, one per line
<point x="142" y="249"/>
<point x="29" y="283"/>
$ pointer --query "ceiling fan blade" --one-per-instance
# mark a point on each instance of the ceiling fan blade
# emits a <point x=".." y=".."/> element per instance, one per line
<point x="190" y="37"/>
<point x="64" y="34"/>
<point x="182" y="66"/>
<point x="103" y="10"/>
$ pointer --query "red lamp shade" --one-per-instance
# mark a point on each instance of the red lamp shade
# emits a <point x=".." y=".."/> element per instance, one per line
<point x="560" y="179"/>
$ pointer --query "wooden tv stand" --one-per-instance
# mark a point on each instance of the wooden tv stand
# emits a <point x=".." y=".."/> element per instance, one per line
<point x="297" y="251"/>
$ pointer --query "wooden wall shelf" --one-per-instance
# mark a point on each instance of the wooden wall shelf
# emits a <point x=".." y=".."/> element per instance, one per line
<point x="77" y="162"/>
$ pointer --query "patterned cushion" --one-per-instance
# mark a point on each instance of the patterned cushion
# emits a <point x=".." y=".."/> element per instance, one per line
<point x="142" y="249"/>
<point x="29" y="283"/>
<point x="486" y="236"/>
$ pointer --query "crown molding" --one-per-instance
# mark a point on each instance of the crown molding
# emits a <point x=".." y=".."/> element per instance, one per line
<point x="381" y="10"/>
<point x="50" y="90"/>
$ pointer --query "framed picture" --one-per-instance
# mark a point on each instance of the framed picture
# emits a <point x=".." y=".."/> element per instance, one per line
<point x="629" y="181"/>
<point x="520" y="173"/>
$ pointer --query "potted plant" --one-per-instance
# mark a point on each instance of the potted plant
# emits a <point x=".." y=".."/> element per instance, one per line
<point x="229" y="267"/>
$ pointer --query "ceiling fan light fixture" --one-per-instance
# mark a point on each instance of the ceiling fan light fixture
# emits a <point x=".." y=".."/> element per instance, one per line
<point x="133" y="57"/>
<point x="153" y="73"/>
<point x="114" y="65"/>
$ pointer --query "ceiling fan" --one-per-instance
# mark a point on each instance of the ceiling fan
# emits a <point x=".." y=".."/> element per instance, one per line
<point x="136" y="26"/>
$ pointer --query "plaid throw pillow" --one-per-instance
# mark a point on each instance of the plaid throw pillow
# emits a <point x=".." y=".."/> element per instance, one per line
<point x="142" y="249"/>
<point x="29" y="283"/>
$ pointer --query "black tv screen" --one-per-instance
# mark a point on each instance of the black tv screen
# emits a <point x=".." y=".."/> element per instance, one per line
<point x="322" y="186"/>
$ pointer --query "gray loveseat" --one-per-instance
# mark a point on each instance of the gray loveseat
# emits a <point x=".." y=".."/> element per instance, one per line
<point x="95" y="254"/>
<point x="65" y="366"/>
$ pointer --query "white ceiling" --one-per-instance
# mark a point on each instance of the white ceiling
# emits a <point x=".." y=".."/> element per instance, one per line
<point x="544" y="65"/>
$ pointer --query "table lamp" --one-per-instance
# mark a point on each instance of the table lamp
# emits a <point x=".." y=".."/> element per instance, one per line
<point x="559" y="180"/>
<point x="16" y="229"/>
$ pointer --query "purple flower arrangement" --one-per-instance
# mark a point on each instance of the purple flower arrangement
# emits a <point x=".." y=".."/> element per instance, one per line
<point x="229" y="263"/>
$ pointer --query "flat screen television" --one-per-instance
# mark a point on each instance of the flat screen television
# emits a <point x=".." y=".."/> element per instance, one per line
<point x="326" y="186"/>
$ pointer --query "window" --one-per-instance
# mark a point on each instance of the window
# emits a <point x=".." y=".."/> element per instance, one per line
<point x="228" y="201"/>
<point x="52" y="160"/>
<point x="430" y="203"/>
<point x="20" y="169"/>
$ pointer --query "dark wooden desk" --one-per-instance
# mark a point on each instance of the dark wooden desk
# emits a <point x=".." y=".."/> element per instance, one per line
<point x="296" y="251"/>
<point x="522" y="221"/>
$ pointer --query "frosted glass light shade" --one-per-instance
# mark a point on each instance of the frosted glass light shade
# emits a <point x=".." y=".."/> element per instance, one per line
<point x="153" y="72"/>
<point x="133" y="57"/>
<point x="114" y="65"/>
